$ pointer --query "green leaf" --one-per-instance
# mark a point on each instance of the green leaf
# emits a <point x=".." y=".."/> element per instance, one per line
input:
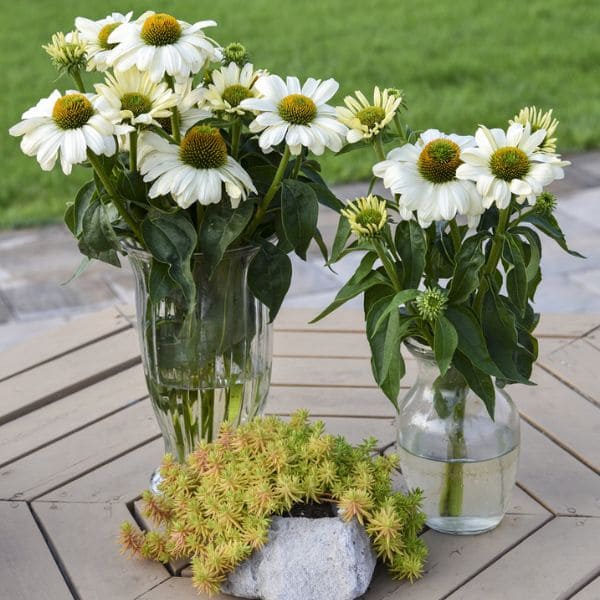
<point x="500" y="331"/>
<point x="470" y="339"/>
<point x="98" y="239"/>
<point x="549" y="225"/>
<point x="160" y="283"/>
<point x="532" y="270"/>
<point x="322" y="245"/>
<point x="81" y="204"/>
<point x="516" y="275"/>
<point x="445" y="342"/>
<point x="342" y="235"/>
<point x="362" y="280"/>
<point x="469" y="261"/>
<point x="171" y="238"/>
<point x="83" y="265"/>
<point x="299" y="214"/>
<point x="269" y="277"/>
<point x="397" y="300"/>
<point x="131" y="186"/>
<point x="412" y="247"/>
<point x="478" y="381"/>
<point x="326" y="197"/>
<point x="221" y="226"/>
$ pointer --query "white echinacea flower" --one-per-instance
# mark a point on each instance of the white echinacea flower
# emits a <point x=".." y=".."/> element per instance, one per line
<point x="366" y="119"/>
<point x="539" y="120"/>
<point x="424" y="174"/>
<point x="230" y="85"/>
<point x="67" y="126"/>
<point x="195" y="170"/>
<point x="511" y="162"/>
<point x="95" y="34"/>
<point x="131" y="96"/>
<point x="160" y="44"/>
<point x="297" y="114"/>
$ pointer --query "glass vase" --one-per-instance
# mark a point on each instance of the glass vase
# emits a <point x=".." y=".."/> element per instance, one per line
<point x="464" y="462"/>
<point x="207" y="363"/>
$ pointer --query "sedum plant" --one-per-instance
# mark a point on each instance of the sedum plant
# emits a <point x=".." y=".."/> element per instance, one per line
<point x="216" y="508"/>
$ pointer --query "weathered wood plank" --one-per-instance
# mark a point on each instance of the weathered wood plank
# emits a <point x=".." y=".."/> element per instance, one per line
<point x="320" y="343"/>
<point x="298" y="319"/>
<point x="566" y="325"/>
<point x="555" y="478"/>
<point x="57" y="419"/>
<point x="453" y="560"/>
<point x="65" y="375"/>
<point x="58" y="463"/>
<point x="551" y="563"/>
<point x="27" y="569"/>
<point x="368" y="402"/>
<point x="329" y="372"/>
<point x="74" y="334"/>
<point x="179" y="588"/>
<point x="85" y="539"/>
<point x="118" y="481"/>
<point x="547" y="404"/>
<point x="590" y="592"/>
<point x="577" y="364"/>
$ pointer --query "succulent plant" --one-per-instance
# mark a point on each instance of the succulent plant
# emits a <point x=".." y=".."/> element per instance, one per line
<point x="216" y="508"/>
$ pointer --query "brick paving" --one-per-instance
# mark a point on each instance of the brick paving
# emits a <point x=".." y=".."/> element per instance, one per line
<point x="34" y="263"/>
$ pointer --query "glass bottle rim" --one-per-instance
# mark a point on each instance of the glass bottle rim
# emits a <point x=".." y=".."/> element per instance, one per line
<point x="132" y="248"/>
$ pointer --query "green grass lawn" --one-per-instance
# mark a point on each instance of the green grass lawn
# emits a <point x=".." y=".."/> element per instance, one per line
<point x="460" y="62"/>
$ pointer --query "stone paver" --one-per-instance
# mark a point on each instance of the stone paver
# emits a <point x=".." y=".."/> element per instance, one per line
<point x="35" y="262"/>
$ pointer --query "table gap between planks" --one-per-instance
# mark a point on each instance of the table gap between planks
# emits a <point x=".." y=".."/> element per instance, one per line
<point x="78" y="441"/>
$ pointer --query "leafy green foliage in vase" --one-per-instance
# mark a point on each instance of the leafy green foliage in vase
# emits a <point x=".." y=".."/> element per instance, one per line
<point x="216" y="508"/>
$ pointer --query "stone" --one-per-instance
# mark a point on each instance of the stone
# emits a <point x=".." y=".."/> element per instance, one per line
<point x="307" y="559"/>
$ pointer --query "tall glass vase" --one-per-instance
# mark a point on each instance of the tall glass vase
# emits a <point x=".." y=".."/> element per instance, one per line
<point x="449" y="447"/>
<point x="204" y="364"/>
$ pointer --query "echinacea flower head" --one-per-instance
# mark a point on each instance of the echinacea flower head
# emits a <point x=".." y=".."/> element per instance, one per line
<point x="431" y="304"/>
<point x="539" y="120"/>
<point x="66" y="126"/>
<point x="297" y="114"/>
<point x="195" y="170"/>
<point x="511" y="162"/>
<point x="95" y="34"/>
<point x="68" y="53"/>
<point x="160" y="44"/>
<point x="364" y="118"/>
<point x="235" y="53"/>
<point x="230" y="86"/>
<point x="367" y="216"/>
<point x="545" y="203"/>
<point x="424" y="174"/>
<point x="131" y="96"/>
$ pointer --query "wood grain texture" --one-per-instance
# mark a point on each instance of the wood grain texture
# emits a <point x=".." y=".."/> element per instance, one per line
<point x="27" y="569"/>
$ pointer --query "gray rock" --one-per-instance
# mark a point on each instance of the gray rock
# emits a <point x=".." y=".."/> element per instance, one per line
<point x="307" y="559"/>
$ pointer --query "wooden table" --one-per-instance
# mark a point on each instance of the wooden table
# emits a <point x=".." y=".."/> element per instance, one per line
<point x="78" y="441"/>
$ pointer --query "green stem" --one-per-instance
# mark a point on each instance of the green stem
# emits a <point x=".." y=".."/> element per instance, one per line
<point x="175" y="125"/>
<point x="451" y="498"/>
<point x="388" y="264"/>
<point x="399" y="127"/>
<point x="494" y="257"/>
<point x="455" y="233"/>
<point x="133" y="144"/>
<point x="297" y="164"/>
<point x="378" y="147"/>
<point x="236" y="134"/>
<point x="273" y="188"/>
<point x="78" y="81"/>
<point x="199" y="218"/>
<point x="114" y="195"/>
<point x="160" y="131"/>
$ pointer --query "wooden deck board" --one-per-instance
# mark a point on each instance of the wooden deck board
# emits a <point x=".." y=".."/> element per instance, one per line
<point x="590" y="592"/>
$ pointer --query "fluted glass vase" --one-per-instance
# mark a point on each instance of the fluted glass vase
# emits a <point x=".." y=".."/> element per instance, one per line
<point x="207" y="363"/>
<point x="464" y="461"/>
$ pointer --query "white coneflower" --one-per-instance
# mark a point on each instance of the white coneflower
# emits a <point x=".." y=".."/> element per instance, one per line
<point x="297" y="114"/>
<point x="511" y="162"/>
<point x="195" y="170"/>
<point x="68" y="53"/>
<point x="95" y="35"/>
<point x="366" y="119"/>
<point x="66" y="125"/>
<point x="131" y="96"/>
<point x="160" y="44"/>
<point x="424" y="174"/>
<point x="367" y="216"/>
<point x="230" y="85"/>
<point x="539" y="120"/>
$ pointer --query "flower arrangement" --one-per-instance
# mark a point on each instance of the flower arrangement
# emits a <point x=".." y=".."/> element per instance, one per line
<point x="216" y="508"/>
<point x="192" y="149"/>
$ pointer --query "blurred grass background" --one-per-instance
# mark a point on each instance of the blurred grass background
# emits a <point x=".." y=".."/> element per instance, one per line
<point x="460" y="62"/>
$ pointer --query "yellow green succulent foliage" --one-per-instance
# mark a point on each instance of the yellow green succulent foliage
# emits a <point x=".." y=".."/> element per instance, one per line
<point x="216" y="508"/>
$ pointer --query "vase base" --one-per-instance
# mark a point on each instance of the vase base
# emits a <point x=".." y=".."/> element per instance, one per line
<point x="463" y="525"/>
<point x="155" y="481"/>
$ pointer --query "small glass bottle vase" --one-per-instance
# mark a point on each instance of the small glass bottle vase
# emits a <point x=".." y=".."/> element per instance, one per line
<point x="464" y="462"/>
<point x="206" y="363"/>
